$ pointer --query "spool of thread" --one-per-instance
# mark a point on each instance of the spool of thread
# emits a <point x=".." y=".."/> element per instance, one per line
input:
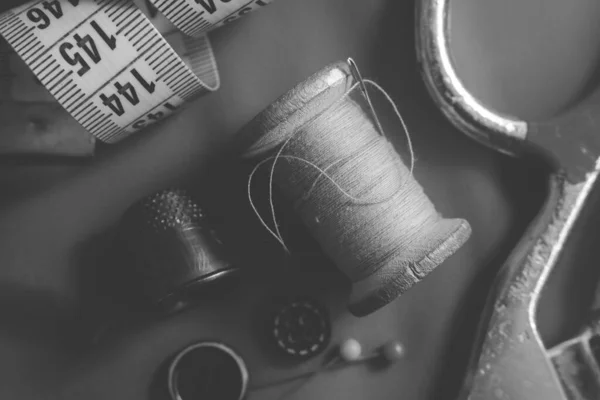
<point x="368" y="214"/>
<point x="174" y="250"/>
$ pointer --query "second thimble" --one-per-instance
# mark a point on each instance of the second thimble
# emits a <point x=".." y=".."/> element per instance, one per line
<point x="173" y="249"/>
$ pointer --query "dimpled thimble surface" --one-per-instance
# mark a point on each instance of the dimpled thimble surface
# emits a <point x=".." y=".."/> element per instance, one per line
<point x="173" y="249"/>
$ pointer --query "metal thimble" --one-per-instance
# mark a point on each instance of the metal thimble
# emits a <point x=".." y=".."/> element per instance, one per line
<point x="173" y="249"/>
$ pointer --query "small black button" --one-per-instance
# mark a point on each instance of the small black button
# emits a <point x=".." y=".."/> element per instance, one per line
<point x="301" y="328"/>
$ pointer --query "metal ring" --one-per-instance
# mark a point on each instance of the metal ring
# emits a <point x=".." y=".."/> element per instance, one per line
<point x="243" y="370"/>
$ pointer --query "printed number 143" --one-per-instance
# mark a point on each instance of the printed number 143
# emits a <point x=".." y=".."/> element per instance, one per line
<point x="156" y="115"/>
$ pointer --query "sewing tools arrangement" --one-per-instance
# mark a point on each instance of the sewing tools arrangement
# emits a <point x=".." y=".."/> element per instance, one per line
<point x="118" y="66"/>
<point x="322" y="147"/>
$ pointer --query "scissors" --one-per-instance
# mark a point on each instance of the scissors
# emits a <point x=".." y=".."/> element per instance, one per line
<point x="509" y="359"/>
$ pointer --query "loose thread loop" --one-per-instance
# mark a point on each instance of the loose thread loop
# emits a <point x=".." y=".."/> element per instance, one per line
<point x="275" y="231"/>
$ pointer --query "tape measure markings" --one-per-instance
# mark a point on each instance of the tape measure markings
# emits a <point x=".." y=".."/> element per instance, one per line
<point x="24" y="30"/>
<point x="28" y="7"/>
<point x="18" y="24"/>
<point x="217" y="23"/>
<point x="24" y="86"/>
<point x="48" y="48"/>
<point x="58" y="12"/>
<point x="57" y="83"/>
<point x="156" y="61"/>
<point x="189" y="23"/>
<point x="74" y="99"/>
<point x="195" y="17"/>
<point x="52" y="81"/>
<point x="159" y="73"/>
<point x="200" y="55"/>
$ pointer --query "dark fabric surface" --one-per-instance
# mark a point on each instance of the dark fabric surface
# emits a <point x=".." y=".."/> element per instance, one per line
<point x="529" y="58"/>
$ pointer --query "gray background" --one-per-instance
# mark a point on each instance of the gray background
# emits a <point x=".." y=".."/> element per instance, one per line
<point x="525" y="57"/>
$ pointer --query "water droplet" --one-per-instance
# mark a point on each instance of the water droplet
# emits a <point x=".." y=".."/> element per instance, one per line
<point x="499" y="393"/>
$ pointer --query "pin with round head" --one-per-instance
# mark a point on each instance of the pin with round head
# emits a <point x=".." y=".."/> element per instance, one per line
<point x="392" y="351"/>
<point x="350" y="350"/>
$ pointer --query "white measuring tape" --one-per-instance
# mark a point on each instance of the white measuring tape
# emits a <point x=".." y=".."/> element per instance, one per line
<point x="195" y="17"/>
<point x="17" y="82"/>
<point x="195" y="52"/>
<point x="105" y="62"/>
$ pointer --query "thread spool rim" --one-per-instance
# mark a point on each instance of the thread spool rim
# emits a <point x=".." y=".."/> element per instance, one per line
<point x="289" y="110"/>
<point x="364" y="300"/>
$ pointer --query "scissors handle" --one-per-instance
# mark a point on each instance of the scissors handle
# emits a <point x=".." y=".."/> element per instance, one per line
<point x="571" y="139"/>
<point x="510" y="360"/>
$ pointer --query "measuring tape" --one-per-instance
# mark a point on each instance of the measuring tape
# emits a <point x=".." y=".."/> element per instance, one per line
<point x="194" y="17"/>
<point x="106" y="63"/>
<point x="17" y="82"/>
